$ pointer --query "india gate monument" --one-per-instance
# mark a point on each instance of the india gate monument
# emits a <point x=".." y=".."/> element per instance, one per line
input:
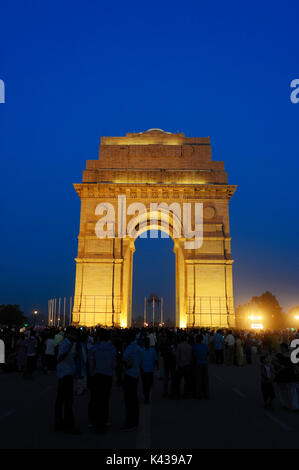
<point x="151" y="181"/>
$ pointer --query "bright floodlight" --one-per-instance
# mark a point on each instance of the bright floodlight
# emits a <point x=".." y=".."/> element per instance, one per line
<point x="257" y="326"/>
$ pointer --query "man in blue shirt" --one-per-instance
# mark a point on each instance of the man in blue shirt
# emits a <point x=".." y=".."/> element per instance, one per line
<point x="201" y="352"/>
<point x="149" y="360"/>
<point x="65" y="370"/>
<point x="102" y="361"/>
<point x="131" y="360"/>
<point x="219" y="347"/>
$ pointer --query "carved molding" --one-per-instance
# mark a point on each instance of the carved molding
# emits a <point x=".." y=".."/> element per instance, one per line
<point x="155" y="191"/>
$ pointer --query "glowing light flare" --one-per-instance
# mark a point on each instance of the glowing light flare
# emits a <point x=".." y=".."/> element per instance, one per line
<point x="257" y="326"/>
<point x="255" y="317"/>
<point x="183" y="324"/>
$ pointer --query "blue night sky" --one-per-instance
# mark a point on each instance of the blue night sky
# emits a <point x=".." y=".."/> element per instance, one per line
<point x="76" y="70"/>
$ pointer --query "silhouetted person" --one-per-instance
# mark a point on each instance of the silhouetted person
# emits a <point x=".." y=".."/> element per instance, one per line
<point x="102" y="361"/>
<point x="50" y="352"/>
<point x="31" y="355"/>
<point x="184" y="366"/>
<point x="230" y="348"/>
<point x="267" y="382"/>
<point x="201" y="352"/>
<point x="131" y="360"/>
<point x="248" y="345"/>
<point x="219" y="347"/>
<point x="167" y="352"/>
<point x="149" y="360"/>
<point x="64" y="418"/>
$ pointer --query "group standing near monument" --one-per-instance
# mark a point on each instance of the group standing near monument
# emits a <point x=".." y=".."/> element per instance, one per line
<point x="98" y="359"/>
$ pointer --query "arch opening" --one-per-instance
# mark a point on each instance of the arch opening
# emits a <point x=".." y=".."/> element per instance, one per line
<point x="153" y="274"/>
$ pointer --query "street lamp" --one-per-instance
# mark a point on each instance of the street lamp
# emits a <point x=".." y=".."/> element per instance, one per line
<point x="35" y="313"/>
<point x="254" y="322"/>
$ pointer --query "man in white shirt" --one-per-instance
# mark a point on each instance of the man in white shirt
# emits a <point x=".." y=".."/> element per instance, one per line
<point x="152" y="338"/>
<point x="50" y="352"/>
<point x="230" y="344"/>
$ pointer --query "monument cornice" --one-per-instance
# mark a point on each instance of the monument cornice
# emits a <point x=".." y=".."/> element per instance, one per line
<point x="98" y="259"/>
<point x="216" y="260"/>
<point x="155" y="190"/>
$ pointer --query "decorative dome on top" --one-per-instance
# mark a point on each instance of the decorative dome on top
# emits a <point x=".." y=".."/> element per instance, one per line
<point x="155" y="130"/>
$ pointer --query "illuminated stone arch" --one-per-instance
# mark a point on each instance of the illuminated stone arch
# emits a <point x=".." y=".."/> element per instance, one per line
<point x="171" y="225"/>
<point x="154" y="167"/>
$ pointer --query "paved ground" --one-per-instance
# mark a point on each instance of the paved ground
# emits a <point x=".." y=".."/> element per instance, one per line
<point x="233" y="418"/>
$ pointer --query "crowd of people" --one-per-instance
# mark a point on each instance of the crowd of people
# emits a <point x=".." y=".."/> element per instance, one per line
<point x="89" y="360"/>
